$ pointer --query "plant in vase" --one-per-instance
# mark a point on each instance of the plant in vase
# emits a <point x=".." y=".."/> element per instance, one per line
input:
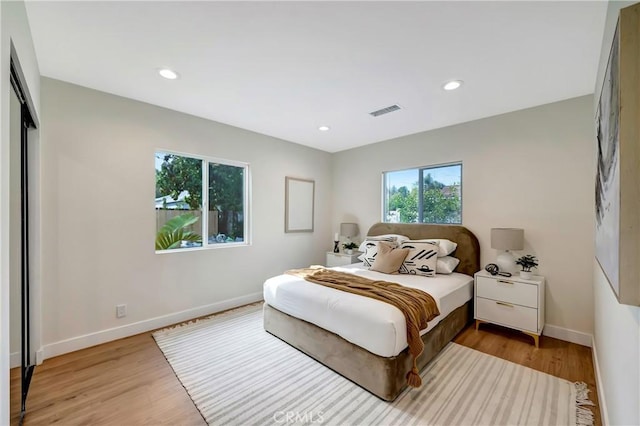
<point x="527" y="262"/>
<point x="348" y="247"/>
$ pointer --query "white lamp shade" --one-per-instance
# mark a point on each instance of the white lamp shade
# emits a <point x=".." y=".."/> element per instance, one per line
<point x="507" y="238"/>
<point x="349" y="229"/>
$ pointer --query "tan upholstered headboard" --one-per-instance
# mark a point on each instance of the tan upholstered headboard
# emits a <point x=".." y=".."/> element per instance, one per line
<point x="468" y="250"/>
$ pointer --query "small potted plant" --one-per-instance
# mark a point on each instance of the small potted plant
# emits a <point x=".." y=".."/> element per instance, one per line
<point x="348" y="247"/>
<point x="527" y="262"/>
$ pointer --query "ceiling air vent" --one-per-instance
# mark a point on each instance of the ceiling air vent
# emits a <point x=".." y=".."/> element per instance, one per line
<point x="386" y="110"/>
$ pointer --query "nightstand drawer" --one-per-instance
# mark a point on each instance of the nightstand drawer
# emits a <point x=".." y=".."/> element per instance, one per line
<point x="507" y="314"/>
<point x="507" y="290"/>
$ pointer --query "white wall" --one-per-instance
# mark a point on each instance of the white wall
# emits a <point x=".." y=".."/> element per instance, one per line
<point x="531" y="169"/>
<point x="617" y="348"/>
<point x="617" y="327"/>
<point x="14" y="30"/>
<point x="99" y="222"/>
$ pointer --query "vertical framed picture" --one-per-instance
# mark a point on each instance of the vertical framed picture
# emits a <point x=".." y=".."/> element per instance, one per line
<point x="617" y="186"/>
<point x="608" y="170"/>
<point x="299" y="207"/>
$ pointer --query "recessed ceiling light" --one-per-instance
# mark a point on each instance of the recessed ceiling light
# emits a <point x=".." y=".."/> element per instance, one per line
<point x="452" y="85"/>
<point x="324" y="128"/>
<point x="168" y="74"/>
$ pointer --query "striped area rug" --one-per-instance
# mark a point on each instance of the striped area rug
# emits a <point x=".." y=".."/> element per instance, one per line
<point x="238" y="374"/>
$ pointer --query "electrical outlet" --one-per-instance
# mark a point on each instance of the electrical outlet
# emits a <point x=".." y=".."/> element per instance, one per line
<point x="121" y="311"/>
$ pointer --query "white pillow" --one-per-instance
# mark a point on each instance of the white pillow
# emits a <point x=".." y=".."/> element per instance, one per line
<point x="422" y="258"/>
<point x="386" y="237"/>
<point x="446" y="246"/>
<point x="446" y="264"/>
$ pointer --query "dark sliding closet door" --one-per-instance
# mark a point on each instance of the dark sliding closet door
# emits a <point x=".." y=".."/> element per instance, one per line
<point x="25" y="123"/>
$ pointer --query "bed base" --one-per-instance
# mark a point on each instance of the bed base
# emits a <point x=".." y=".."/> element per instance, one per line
<point x="383" y="377"/>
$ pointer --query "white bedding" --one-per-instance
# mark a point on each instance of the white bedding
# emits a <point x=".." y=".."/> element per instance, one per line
<point x="373" y="325"/>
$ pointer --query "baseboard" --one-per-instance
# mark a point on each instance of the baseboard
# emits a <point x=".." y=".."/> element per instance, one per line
<point x="39" y="356"/>
<point x="568" y="335"/>
<point x="15" y="360"/>
<point x="602" y="404"/>
<point x="104" y="336"/>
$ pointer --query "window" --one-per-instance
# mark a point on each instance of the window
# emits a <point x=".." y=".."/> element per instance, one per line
<point x="425" y="195"/>
<point x="184" y="186"/>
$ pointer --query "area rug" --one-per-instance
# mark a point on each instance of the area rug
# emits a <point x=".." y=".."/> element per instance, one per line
<point x="238" y="374"/>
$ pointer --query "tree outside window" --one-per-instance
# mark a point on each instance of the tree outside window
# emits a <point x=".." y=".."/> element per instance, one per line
<point x="424" y="195"/>
<point x="184" y="185"/>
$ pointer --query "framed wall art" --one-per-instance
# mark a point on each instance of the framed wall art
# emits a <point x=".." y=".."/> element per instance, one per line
<point x="299" y="208"/>
<point x="617" y="190"/>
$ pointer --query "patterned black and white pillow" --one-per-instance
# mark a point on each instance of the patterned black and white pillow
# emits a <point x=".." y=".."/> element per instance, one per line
<point x="422" y="258"/>
<point x="445" y="247"/>
<point x="398" y="239"/>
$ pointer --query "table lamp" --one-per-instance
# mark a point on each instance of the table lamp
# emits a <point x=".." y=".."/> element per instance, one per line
<point x="507" y="239"/>
<point x="349" y="230"/>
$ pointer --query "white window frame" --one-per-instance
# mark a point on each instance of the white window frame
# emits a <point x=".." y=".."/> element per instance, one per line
<point x="205" y="201"/>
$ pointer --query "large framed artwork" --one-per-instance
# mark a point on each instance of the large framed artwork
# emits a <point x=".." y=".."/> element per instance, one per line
<point x="617" y="191"/>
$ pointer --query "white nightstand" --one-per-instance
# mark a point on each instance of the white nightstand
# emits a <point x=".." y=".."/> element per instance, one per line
<point x="342" y="259"/>
<point x="510" y="301"/>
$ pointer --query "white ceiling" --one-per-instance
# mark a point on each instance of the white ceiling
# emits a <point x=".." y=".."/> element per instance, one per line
<point x="286" y="68"/>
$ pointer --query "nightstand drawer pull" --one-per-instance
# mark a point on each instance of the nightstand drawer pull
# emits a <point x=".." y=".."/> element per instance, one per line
<point x="505" y="282"/>
<point x="509" y="305"/>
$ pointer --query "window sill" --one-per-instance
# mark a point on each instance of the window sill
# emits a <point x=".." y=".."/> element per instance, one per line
<point x="207" y="247"/>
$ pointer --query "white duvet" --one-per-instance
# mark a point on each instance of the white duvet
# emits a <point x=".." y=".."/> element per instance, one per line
<point x="373" y="325"/>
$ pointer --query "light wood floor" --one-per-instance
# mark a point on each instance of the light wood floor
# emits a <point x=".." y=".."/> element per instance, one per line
<point x="129" y="382"/>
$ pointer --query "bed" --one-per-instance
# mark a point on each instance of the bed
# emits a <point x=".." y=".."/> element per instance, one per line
<point x="361" y="339"/>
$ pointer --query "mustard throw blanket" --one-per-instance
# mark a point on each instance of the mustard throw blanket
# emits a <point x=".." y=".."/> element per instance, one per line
<point x="417" y="306"/>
